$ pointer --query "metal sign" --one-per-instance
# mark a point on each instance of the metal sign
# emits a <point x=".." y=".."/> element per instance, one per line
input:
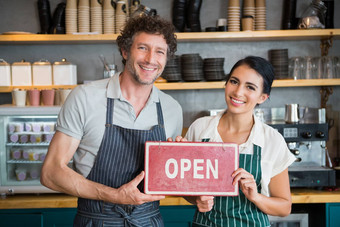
<point x="190" y="168"/>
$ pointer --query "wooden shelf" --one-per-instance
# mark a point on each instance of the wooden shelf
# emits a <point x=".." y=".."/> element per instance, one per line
<point x="10" y="89"/>
<point x="220" y="84"/>
<point x="57" y="39"/>
<point x="200" y="85"/>
<point x="306" y="83"/>
<point x="268" y="35"/>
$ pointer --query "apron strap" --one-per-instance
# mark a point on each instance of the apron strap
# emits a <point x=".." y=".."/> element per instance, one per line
<point x="109" y="111"/>
<point x="160" y="114"/>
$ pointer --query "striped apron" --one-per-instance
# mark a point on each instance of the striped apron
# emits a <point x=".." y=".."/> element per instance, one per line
<point x="120" y="159"/>
<point x="237" y="210"/>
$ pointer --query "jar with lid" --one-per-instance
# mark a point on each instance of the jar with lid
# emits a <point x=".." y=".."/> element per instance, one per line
<point x="64" y="73"/>
<point x="21" y="73"/>
<point x="5" y="73"/>
<point x="314" y="16"/>
<point x="42" y="72"/>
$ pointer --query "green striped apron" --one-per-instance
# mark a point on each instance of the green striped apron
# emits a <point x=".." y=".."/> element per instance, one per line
<point x="237" y="211"/>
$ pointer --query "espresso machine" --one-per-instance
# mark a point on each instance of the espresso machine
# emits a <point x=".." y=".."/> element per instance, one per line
<point x="306" y="138"/>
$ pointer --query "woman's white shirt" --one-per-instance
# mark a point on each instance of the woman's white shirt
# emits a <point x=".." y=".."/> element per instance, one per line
<point x="275" y="155"/>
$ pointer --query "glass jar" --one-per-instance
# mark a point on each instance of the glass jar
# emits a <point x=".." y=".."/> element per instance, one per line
<point x="314" y="16"/>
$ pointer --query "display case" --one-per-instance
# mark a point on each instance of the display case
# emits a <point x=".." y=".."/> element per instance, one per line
<point x="25" y="134"/>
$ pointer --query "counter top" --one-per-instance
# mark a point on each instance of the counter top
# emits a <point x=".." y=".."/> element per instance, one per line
<point x="29" y="201"/>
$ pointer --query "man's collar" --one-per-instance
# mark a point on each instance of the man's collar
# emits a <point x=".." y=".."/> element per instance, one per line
<point x="114" y="91"/>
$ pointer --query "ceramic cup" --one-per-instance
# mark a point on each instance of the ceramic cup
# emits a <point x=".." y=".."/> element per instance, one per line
<point x="48" y="97"/>
<point x="34" y="97"/>
<point x="19" y="97"/>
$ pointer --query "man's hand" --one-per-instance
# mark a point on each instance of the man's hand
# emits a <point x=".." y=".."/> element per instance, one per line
<point x="130" y="194"/>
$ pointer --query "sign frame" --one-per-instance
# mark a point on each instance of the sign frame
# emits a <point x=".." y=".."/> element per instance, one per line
<point x="158" y="151"/>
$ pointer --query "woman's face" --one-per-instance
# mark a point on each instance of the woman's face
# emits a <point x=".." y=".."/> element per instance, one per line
<point x="243" y="90"/>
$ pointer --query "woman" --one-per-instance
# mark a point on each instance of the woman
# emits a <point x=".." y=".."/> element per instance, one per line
<point x="264" y="157"/>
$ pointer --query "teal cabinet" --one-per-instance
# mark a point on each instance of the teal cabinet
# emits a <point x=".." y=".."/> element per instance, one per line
<point x="10" y="219"/>
<point x="174" y="216"/>
<point x="58" y="217"/>
<point x="177" y="216"/>
<point x="332" y="214"/>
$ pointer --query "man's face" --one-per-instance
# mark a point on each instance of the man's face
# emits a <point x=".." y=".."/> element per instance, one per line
<point x="147" y="57"/>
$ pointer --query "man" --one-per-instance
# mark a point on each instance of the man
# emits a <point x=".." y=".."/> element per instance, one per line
<point x="104" y="125"/>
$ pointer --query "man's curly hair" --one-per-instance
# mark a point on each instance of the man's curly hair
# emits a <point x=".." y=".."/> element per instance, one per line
<point x="150" y="25"/>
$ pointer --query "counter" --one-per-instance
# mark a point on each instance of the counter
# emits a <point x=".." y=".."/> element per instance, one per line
<point x="24" y="201"/>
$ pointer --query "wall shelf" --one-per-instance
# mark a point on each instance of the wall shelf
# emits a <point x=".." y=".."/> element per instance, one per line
<point x="201" y="85"/>
<point x="220" y="84"/>
<point x="268" y="35"/>
<point x="10" y="88"/>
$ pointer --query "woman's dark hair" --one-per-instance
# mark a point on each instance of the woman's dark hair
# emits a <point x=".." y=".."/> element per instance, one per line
<point x="150" y="25"/>
<point x="262" y="67"/>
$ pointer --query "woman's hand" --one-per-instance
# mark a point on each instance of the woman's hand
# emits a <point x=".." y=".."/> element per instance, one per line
<point x="204" y="203"/>
<point x="246" y="182"/>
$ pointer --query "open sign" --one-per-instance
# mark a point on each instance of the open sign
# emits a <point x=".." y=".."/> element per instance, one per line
<point x="190" y="168"/>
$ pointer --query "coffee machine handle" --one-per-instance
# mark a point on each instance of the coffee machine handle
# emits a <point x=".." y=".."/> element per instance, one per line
<point x="295" y="151"/>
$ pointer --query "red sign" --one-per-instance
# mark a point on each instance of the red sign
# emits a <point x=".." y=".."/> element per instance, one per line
<point x="190" y="168"/>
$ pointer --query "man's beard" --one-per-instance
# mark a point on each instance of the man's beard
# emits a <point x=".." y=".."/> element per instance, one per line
<point x="136" y="76"/>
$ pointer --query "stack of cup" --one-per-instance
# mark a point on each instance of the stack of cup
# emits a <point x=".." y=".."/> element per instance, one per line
<point x="96" y="17"/>
<point x="47" y="96"/>
<point x="19" y="97"/>
<point x="247" y="23"/>
<point x="71" y="17"/>
<point x="310" y="68"/>
<point x="84" y="16"/>
<point x="234" y="15"/>
<point x="297" y="68"/>
<point x="63" y="93"/>
<point x="329" y="65"/>
<point x="260" y="15"/>
<point x="337" y="66"/>
<point x="121" y="16"/>
<point x="108" y="17"/>
<point x="249" y="9"/>
<point x="34" y="97"/>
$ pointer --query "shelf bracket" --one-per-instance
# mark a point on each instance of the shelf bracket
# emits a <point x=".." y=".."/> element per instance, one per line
<point x="325" y="44"/>
<point x="325" y="92"/>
